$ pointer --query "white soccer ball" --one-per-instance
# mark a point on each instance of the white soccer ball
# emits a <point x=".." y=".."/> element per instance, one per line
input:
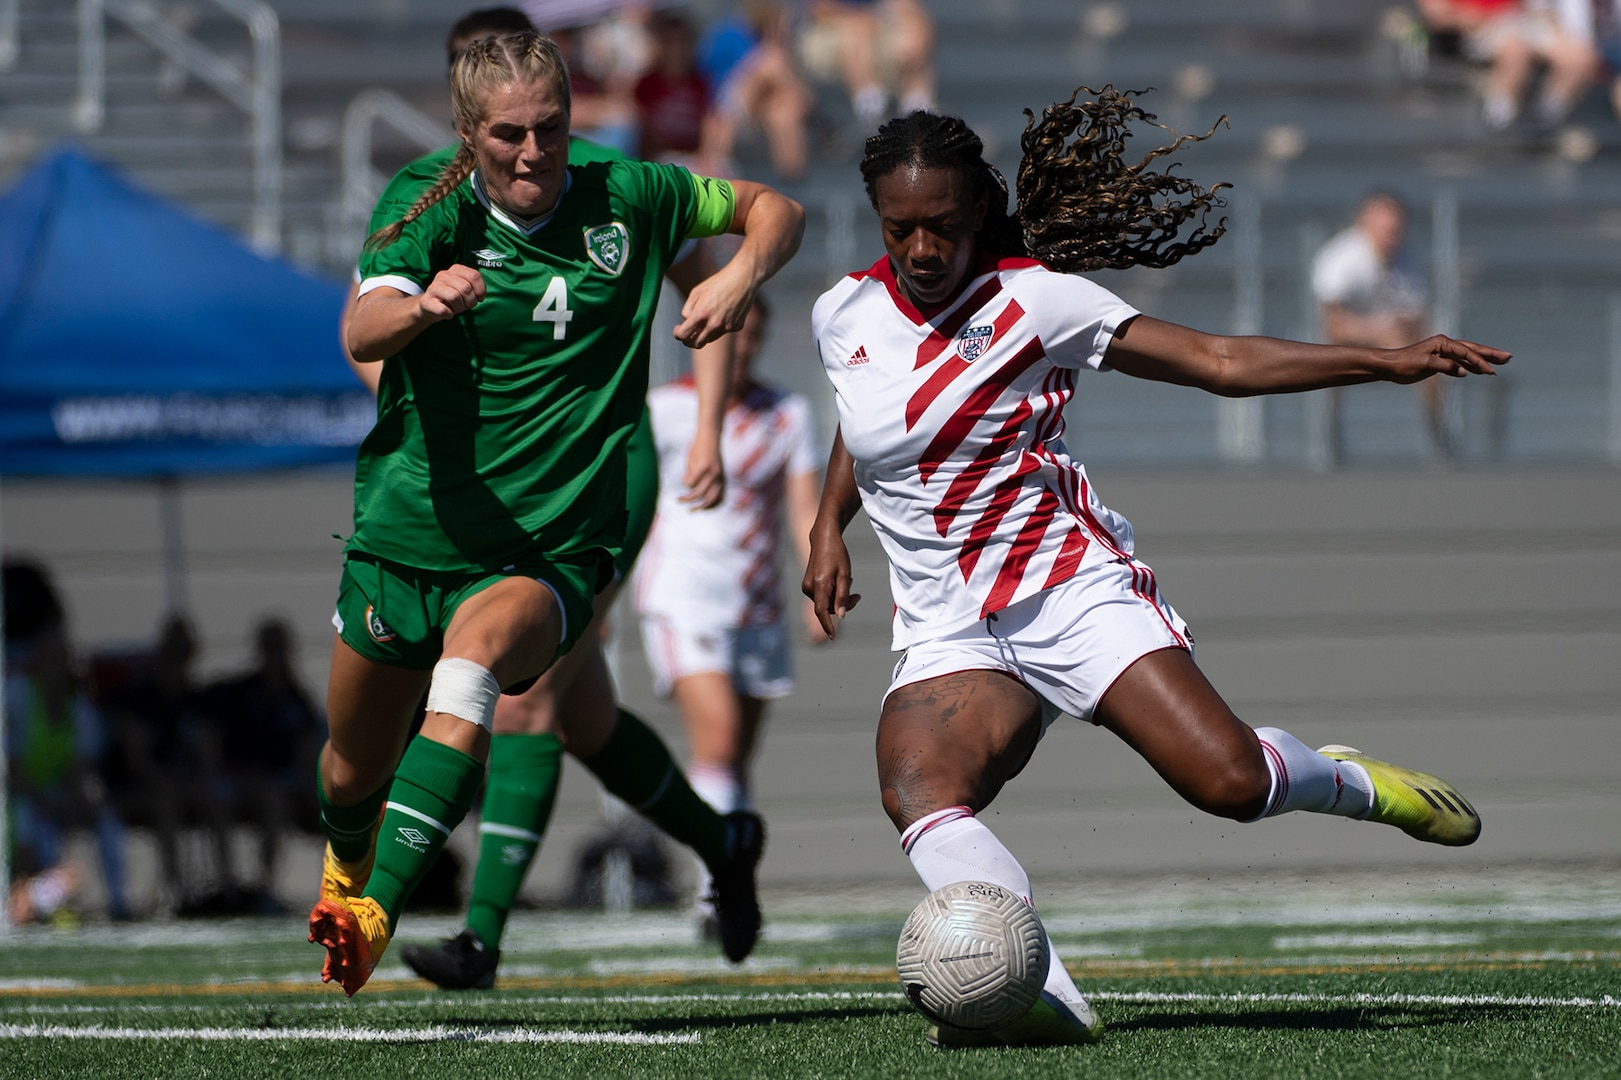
<point x="973" y="955"/>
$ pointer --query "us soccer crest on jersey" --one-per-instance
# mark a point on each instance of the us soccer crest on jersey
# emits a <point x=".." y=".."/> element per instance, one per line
<point x="972" y="342"/>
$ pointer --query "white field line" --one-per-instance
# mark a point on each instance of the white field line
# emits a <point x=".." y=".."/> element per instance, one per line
<point x="505" y="1002"/>
<point x="1146" y="997"/>
<point x="433" y="1034"/>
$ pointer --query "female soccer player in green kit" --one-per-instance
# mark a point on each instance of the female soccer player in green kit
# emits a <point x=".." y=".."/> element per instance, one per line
<point x="515" y="296"/>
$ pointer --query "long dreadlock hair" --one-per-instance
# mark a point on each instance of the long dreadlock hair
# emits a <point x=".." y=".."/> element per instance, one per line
<point x="525" y="57"/>
<point x="1081" y="206"/>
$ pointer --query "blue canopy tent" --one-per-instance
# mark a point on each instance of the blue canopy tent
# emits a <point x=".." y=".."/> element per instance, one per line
<point x="137" y="341"/>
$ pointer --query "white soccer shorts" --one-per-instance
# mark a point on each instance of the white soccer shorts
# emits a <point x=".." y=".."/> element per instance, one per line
<point x="756" y="657"/>
<point x="1068" y="644"/>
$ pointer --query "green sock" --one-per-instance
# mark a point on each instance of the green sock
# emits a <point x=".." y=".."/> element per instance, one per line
<point x="518" y="799"/>
<point x="636" y="766"/>
<point x="433" y="787"/>
<point x="348" y="828"/>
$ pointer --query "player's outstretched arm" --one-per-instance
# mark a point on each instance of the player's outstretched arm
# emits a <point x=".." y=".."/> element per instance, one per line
<point x="386" y="320"/>
<point x="705" y="474"/>
<point x="802" y="501"/>
<point x="772" y="226"/>
<point x="1243" y="366"/>
<point x="827" y="573"/>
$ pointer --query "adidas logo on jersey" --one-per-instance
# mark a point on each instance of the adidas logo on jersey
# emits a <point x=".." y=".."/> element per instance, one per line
<point x="858" y="357"/>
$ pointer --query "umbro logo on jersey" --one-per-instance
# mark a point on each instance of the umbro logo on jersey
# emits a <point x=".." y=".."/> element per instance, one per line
<point x="858" y="357"/>
<point x="972" y="342"/>
<point x="490" y="257"/>
<point x="377" y="627"/>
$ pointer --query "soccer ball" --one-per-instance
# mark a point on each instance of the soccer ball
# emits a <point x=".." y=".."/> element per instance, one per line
<point x="973" y="955"/>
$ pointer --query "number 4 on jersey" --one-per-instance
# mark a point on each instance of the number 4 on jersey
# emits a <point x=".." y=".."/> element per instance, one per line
<point x="553" y="308"/>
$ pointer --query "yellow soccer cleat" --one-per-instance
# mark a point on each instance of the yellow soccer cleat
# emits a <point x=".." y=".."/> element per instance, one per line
<point x="354" y="933"/>
<point x="1050" y="1022"/>
<point x="1418" y="804"/>
<point x="346" y="880"/>
<point x="341" y="880"/>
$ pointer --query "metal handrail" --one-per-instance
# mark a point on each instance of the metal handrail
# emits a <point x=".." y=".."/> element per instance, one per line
<point x="257" y="93"/>
<point x="361" y="181"/>
<point x="9" y="48"/>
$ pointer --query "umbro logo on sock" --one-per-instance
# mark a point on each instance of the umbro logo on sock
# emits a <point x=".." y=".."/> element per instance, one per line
<point x="858" y="357"/>
<point x="414" y="839"/>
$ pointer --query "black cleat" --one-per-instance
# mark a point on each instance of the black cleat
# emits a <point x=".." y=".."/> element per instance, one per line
<point x="459" y="963"/>
<point x="737" y="904"/>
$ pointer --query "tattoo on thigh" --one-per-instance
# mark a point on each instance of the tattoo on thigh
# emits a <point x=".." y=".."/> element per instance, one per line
<point x="902" y="774"/>
<point x="950" y="696"/>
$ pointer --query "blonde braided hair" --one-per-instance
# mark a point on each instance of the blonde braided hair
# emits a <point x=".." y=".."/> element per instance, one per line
<point x="523" y="58"/>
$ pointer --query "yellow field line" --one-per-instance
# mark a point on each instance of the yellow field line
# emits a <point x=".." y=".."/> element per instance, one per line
<point x="1083" y="969"/>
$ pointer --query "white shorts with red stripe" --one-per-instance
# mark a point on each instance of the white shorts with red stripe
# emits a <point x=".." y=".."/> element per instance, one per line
<point x="757" y="658"/>
<point x="1068" y="644"/>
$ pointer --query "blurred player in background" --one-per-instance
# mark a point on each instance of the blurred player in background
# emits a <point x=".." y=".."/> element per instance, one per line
<point x="1017" y="596"/>
<point x="512" y="301"/>
<point x="709" y="585"/>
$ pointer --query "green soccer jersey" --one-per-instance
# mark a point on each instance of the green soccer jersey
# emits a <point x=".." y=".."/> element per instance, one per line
<point x="501" y="433"/>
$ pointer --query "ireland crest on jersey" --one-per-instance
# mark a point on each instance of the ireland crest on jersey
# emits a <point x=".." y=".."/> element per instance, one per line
<point x="609" y="247"/>
<point x="972" y="342"/>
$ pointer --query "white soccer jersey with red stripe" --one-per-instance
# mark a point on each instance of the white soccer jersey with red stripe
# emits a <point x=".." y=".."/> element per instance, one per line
<point x="718" y="568"/>
<point x="954" y="420"/>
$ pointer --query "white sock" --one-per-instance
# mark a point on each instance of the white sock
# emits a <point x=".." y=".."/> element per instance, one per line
<point x="1303" y="779"/>
<point x="725" y="790"/>
<point x="951" y="845"/>
<point x="720" y="787"/>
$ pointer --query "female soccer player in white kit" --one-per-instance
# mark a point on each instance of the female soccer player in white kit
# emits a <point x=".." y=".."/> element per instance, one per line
<point x="709" y="584"/>
<point x="1017" y="596"/>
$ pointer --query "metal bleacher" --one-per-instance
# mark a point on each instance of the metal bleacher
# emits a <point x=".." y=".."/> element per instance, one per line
<point x="1325" y="99"/>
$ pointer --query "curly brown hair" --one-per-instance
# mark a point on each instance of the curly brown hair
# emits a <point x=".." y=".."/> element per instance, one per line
<point x="1081" y="205"/>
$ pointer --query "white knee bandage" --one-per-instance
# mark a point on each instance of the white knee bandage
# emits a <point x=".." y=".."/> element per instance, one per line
<point x="465" y="690"/>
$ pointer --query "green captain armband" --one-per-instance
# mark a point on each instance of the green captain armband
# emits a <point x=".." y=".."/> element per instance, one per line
<point x="712" y="211"/>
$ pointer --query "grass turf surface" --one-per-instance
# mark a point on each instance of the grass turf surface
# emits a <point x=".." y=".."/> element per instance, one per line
<point x="1474" y="980"/>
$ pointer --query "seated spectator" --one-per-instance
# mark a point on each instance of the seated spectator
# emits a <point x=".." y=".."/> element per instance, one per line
<point x="1370" y="293"/>
<point x="878" y="49"/>
<point x="1516" y="38"/>
<point x="672" y="98"/>
<point x="155" y="769"/>
<point x="747" y="59"/>
<point x="263" y="735"/>
<point x="53" y="744"/>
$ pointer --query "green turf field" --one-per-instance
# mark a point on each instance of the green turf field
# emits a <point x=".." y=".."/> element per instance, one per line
<point x="1327" y="977"/>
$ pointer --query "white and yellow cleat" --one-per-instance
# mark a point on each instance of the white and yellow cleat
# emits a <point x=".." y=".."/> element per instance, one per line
<point x="1050" y="1022"/>
<point x="354" y="934"/>
<point x="1420" y="805"/>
